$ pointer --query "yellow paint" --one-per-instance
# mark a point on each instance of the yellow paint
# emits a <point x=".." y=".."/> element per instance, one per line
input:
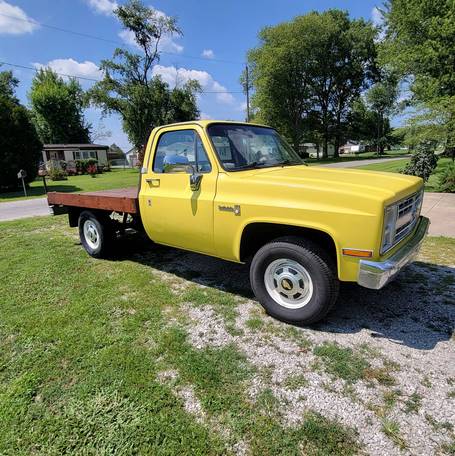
<point x="344" y="203"/>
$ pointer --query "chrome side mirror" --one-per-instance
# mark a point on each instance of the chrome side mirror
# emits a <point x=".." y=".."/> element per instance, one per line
<point x="195" y="181"/>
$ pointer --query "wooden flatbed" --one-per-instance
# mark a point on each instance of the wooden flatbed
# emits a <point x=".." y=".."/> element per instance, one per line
<point x="118" y="200"/>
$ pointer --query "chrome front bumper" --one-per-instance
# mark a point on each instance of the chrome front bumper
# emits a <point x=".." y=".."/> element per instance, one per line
<point x="375" y="274"/>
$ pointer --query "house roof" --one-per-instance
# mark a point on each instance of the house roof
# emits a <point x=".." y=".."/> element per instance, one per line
<point x="74" y="146"/>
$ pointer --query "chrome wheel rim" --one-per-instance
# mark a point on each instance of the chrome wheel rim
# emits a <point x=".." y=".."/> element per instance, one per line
<point x="91" y="234"/>
<point x="288" y="283"/>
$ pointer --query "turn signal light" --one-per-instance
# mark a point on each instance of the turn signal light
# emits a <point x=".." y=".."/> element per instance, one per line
<point x="358" y="253"/>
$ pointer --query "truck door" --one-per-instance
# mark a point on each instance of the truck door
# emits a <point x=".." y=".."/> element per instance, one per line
<point x="174" y="210"/>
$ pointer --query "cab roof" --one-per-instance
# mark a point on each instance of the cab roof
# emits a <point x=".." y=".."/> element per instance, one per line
<point x="204" y="123"/>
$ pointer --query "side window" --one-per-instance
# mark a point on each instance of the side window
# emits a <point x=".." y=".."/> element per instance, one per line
<point x="176" y="150"/>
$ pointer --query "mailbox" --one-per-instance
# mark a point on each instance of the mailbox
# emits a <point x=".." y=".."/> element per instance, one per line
<point x="22" y="174"/>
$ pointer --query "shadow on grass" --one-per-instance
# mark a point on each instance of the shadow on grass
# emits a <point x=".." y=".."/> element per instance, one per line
<point x="39" y="191"/>
<point x="416" y="310"/>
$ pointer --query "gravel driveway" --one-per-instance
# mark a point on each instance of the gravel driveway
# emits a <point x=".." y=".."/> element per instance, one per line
<point x="404" y="403"/>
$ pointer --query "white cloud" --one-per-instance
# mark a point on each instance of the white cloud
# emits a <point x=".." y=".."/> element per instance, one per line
<point x="376" y="17"/>
<point x="175" y="76"/>
<point x="167" y="43"/>
<point x="71" y="67"/>
<point x="205" y="116"/>
<point x="106" y="7"/>
<point x="208" y="53"/>
<point x="14" y="20"/>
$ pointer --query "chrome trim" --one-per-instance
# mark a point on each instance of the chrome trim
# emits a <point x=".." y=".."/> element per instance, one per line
<point x="409" y="208"/>
<point x="375" y="274"/>
<point x="235" y="209"/>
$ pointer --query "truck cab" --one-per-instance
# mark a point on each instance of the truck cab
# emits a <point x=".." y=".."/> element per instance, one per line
<point x="238" y="191"/>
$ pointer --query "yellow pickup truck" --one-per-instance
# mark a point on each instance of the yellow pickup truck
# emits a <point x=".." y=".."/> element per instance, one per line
<point x="238" y="191"/>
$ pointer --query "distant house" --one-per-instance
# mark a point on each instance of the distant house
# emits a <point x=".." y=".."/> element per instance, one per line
<point x="314" y="150"/>
<point x="71" y="152"/>
<point x="352" y="147"/>
<point x="132" y="156"/>
<point x="115" y="153"/>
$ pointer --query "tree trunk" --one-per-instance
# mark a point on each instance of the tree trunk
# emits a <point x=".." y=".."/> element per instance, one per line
<point x="296" y="144"/>
<point x="140" y="155"/>
<point x="325" y="147"/>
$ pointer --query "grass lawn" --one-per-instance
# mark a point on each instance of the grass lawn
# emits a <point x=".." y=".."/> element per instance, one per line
<point x="117" y="178"/>
<point x="396" y="165"/>
<point x="85" y="345"/>
<point x="98" y="356"/>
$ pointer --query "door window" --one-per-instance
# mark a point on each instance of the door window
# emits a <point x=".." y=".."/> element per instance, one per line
<point x="179" y="151"/>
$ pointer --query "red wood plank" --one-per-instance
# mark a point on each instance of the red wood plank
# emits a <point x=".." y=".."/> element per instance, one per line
<point x="119" y="200"/>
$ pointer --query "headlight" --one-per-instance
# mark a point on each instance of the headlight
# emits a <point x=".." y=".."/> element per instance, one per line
<point x="390" y="221"/>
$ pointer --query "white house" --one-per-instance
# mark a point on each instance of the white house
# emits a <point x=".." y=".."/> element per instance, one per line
<point x="132" y="157"/>
<point x="312" y="149"/>
<point x="71" y="152"/>
<point x="352" y="147"/>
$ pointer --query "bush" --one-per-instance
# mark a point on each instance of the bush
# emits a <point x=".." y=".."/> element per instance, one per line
<point x="447" y="179"/>
<point x="82" y="166"/>
<point x="92" y="169"/>
<point x="423" y="162"/>
<point x="56" y="174"/>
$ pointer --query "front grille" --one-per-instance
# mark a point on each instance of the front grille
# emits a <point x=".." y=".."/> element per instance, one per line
<point x="408" y="214"/>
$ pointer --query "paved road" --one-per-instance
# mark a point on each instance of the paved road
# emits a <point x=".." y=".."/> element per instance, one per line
<point x="440" y="207"/>
<point x="23" y="208"/>
<point x="354" y="163"/>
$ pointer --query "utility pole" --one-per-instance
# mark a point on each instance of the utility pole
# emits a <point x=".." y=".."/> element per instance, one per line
<point x="247" y="77"/>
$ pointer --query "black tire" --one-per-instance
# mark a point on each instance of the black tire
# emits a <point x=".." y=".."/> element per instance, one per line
<point x="102" y="225"/>
<point x="316" y="265"/>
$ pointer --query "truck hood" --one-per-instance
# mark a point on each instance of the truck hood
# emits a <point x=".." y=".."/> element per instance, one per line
<point x="380" y="186"/>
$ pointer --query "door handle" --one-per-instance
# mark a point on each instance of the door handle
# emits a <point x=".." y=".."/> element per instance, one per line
<point x="153" y="182"/>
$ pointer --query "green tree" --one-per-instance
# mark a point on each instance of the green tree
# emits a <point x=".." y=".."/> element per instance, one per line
<point x="20" y="147"/>
<point x="8" y="85"/>
<point x="314" y="66"/>
<point x="419" y="45"/>
<point x="129" y="87"/>
<point x="423" y="162"/>
<point x="381" y="100"/>
<point x="57" y="108"/>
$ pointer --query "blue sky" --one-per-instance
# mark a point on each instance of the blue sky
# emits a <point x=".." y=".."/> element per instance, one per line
<point x="213" y="31"/>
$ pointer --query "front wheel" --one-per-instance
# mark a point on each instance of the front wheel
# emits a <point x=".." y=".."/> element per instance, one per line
<point x="294" y="280"/>
<point x="95" y="232"/>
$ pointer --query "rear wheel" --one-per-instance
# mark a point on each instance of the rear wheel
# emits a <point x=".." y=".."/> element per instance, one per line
<point x="96" y="234"/>
<point x="294" y="280"/>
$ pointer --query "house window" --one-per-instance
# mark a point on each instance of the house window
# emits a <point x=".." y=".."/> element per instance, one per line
<point x="76" y="155"/>
<point x="93" y="154"/>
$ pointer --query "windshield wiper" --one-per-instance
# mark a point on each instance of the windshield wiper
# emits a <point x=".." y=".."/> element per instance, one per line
<point x="288" y="162"/>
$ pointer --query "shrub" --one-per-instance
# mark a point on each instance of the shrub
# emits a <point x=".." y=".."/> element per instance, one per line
<point x="447" y="179"/>
<point x="423" y="162"/>
<point x="83" y="165"/>
<point x="55" y="173"/>
<point x="92" y="169"/>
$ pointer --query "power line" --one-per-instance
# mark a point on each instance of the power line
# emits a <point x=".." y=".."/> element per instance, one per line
<point x="25" y="67"/>
<point x="118" y="43"/>
<point x="37" y="69"/>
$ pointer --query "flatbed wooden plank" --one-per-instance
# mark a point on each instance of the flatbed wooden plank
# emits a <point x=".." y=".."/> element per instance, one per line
<point x="119" y="199"/>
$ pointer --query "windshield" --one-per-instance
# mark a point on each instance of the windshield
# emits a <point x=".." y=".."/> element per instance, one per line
<point x="242" y="147"/>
